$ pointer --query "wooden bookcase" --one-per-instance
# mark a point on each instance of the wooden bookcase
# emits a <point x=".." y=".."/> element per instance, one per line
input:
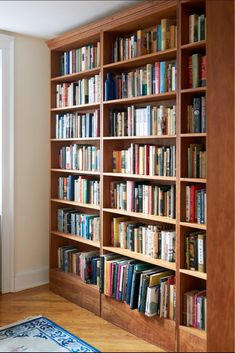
<point x="170" y="335"/>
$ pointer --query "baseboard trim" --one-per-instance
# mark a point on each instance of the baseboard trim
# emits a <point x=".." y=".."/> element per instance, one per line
<point x="31" y="279"/>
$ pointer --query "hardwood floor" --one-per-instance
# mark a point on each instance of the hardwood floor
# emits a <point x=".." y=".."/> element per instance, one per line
<point x="92" y="329"/>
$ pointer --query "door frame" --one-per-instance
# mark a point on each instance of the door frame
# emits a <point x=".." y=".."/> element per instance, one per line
<point x="7" y="162"/>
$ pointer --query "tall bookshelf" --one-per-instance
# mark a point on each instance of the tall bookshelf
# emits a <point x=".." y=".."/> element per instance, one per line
<point x="168" y="334"/>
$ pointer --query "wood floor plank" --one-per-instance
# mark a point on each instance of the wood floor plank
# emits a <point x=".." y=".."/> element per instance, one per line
<point x="82" y="323"/>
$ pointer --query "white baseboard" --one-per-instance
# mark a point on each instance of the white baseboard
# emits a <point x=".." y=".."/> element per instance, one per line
<point x="30" y="279"/>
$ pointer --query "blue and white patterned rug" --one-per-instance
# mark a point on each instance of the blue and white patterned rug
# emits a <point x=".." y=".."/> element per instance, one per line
<point x="39" y="334"/>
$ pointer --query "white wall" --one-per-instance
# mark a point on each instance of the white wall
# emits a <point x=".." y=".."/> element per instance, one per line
<point x="31" y="154"/>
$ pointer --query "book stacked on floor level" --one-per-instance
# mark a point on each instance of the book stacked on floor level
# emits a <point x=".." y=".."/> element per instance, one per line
<point x="160" y="37"/>
<point x="147" y="121"/>
<point x="149" y="289"/>
<point x="84" y="264"/>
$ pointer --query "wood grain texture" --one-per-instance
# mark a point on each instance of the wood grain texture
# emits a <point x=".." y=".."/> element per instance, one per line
<point x="80" y="322"/>
<point x="157" y="331"/>
<point x="220" y="172"/>
<point x="72" y="288"/>
<point x="191" y="340"/>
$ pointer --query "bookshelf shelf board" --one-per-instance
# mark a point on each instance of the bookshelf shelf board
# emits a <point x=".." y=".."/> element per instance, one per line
<point x="76" y="238"/>
<point x="75" y="76"/>
<point x="193" y="225"/>
<point x="137" y="176"/>
<point x="194" y="331"/>
<point x="70" y="286"/>
<point x="79" y="139"/>
<point x="141" y="215"/>
<point x="86" y="107"/>
<point x="141" y="99"/>
<point x="195" y="45"/>
<point x="142" y="60"/>
<point x="193" y="90"/>
<point x="141" y="257"/>
<point x="197" y="274"/>
<point x="153" y="137"/>
<point x="193" y="180"/>
<point x="195" y="134"/>
<point x="79" y="172"/>
<point x="79" y="204"/>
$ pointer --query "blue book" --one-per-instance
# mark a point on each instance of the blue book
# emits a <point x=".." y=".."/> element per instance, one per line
<point x="129" y="283"/>
<point x="67" y="63"/>
<point x="70" y="188"/>
<point x="159" y="37"/>
<point x="162" y="76"/>
<point x="149" y="115"/>
<point x="202" y="206"/>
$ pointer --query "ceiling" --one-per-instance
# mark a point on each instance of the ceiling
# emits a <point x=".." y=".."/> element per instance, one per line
<point x="48" y="19"/>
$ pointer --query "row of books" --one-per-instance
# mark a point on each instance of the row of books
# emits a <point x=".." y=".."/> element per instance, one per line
<point x="134" y="196"/>
<point x="77" y="157"/>
<point x="150" y="79"/>
<point x="197" y="27"/>
<point x="79" y="189"/>
<point x="81" y="59"/>
<point x="196" y="161"/>
<point x="78" y="93"/>
<point x="195" y="309"/>
<point x="145" y="160"/>
<point x="73" y="222"/>
<point x="196" y="204"/>
<point x="84" y="264"/>
<point x="160" y="37"/>
<point x="196" y="71"/>
<point x="195" y="251"/>
<point x="75" y="125"/>
<point x="147" y="288"/>
<point x="156" y="241"/>
<point x="146" y="121"/>
<point x="196" y="115"/>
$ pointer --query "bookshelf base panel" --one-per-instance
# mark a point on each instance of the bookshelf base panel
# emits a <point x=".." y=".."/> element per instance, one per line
<point x="76" y="291"/>
<point x="160" y="332"/>
<point x="192" y="340"/>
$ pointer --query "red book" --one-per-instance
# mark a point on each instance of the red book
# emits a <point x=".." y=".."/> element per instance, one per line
<point x="190" y="72"/>
<point x="150" y="199"/>
<point x="203" y="71"/>
<point x="157" y="77"/>
<point x="137" y="169"/>
<point x="146" y="159"/>
<point x="193" y="189"/>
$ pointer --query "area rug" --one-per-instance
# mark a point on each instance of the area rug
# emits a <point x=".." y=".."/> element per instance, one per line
<point x="39" y="334"/>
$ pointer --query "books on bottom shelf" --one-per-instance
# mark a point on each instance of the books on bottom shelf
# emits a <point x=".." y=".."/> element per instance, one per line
<point x="71" y="221"/>
<point x="84" y="264"/>
<point x="156" y="241"/>
<point x="195" y="309"/>
<point x="149" y="289"/>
